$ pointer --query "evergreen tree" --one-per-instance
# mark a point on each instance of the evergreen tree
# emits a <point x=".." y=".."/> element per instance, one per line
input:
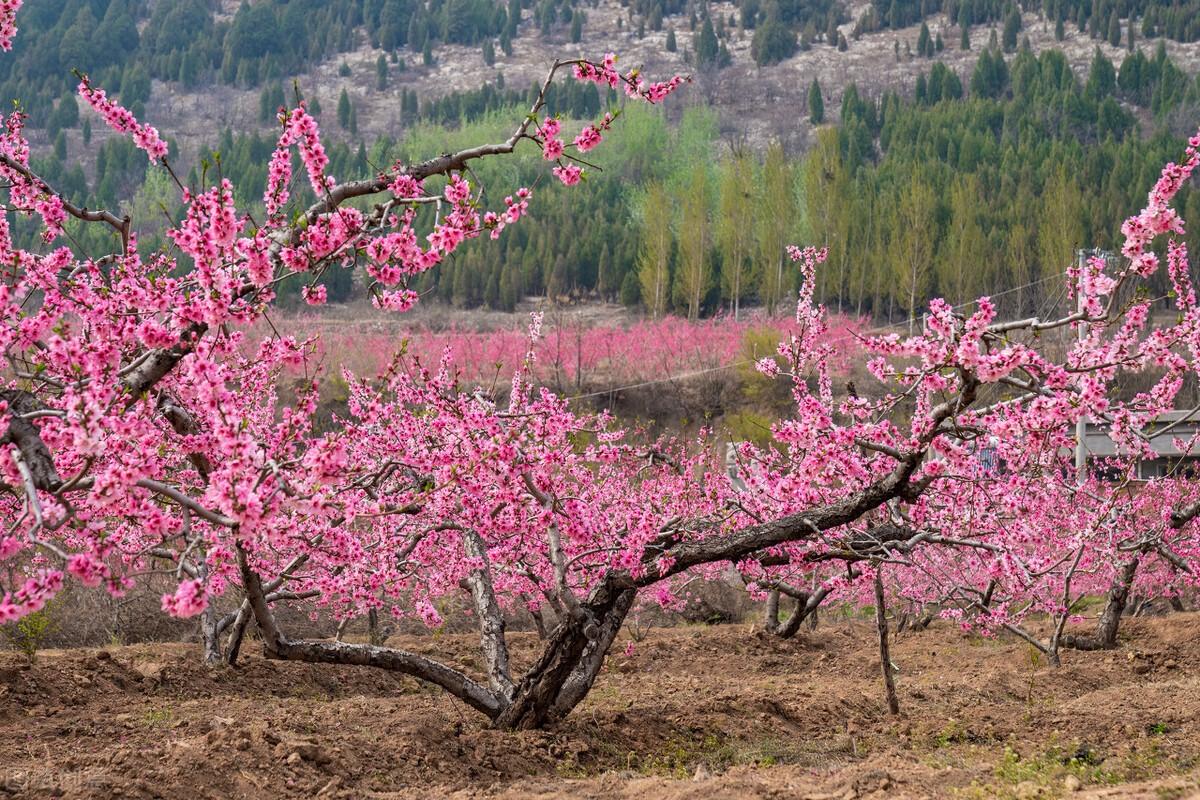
<point x="344" y="109"/>
<point x="1102" y="78"/>
<point x="489" y="53"/>
<point x="381" y="72"/>
<point x="1012" y="26"/>
<point x="671" y="45"/>
<point x="577" y="28"/>
<point x="924" y="44"/>
<point x="1114" y="29"/>
<point x="706" y="45"/>
<point x="816" y="104"/>
<point x="773" y="42"/>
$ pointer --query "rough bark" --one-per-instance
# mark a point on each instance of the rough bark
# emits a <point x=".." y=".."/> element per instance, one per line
<point x="1109" y="623"/>
<point x="210" y="633"/>
<point x="771" y="622"/>
<point x="885" y="657"/>
<point x="28" y="439"/>
<point x="580" y="642"/>
<point x="806" y="609"/>
<point x="491" y="621"/>
<point x="237" y="633"/>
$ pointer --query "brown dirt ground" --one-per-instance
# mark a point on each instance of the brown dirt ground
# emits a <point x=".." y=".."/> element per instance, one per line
<point x="722" y="712"/>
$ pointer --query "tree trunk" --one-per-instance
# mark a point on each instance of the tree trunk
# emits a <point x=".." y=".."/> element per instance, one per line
<point x="210" y="632"/>
<point x="570" y="662"/>
<point x="237" y="632"/>
<point x="1110" y="619"/>
<point x="885" y="658"/>
<point x="771" y="620"/>
<point x="806" y="608"/>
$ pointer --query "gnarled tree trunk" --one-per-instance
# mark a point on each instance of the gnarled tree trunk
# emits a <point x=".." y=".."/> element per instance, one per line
<point x="1110" y="619"/>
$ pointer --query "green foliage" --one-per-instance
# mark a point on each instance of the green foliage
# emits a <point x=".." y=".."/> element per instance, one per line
<point x="706" y="45"/>
<point x="29" y="633"/>
<point x="773" y="42"/>
<point x="816" y="104"/>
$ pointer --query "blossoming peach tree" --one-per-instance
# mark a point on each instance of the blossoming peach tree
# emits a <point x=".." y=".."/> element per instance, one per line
<point x="140" y="426"/>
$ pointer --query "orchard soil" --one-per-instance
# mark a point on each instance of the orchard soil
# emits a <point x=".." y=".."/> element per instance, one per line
<point x="692" y="712"/>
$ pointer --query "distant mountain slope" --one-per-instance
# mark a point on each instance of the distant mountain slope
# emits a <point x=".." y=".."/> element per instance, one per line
<point x="197" y="66"/>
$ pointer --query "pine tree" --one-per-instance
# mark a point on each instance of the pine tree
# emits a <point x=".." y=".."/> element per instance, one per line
<point x="924" y="46"/>
<point x="577" y="28"/>
<point x="1012" y="26"/>
<point x="707" y="48"/>
<point x="671" y="45"/>
<point x="489" y="53"/>
<point x="816" y="104"/>
<point x="381" y="72"/>
<point x="344" y="109"/>
<point x="964" y="43"/>
<point x="1060" y="31"/>
<point x="1114" y="29"/>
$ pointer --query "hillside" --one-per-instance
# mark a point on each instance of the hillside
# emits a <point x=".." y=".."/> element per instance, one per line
<point x="756" y="104"/>
<point x="1004" y="141"/>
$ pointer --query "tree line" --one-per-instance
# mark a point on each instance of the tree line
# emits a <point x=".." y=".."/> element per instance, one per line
<point x="972" y="184"/>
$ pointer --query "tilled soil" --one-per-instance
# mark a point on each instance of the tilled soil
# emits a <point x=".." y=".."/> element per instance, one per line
<point x="694" y="712"/>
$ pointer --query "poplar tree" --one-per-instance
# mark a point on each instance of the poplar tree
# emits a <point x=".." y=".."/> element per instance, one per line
<point x="654" y="259"/>
<point x="735" y="226"/>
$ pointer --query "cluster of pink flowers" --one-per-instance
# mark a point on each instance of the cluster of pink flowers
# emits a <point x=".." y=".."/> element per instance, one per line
<point x="122" y="121"/>
<point x="300" y="129"/>
<point x="188" y="601"/>
<point x="569" y="174"/>
<point x="514" y="209"/>
<point x="605" y="73"/>
<point x="171" y="430"/>
<point x="8" y="22"/>
<point x="32" y="596"/>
